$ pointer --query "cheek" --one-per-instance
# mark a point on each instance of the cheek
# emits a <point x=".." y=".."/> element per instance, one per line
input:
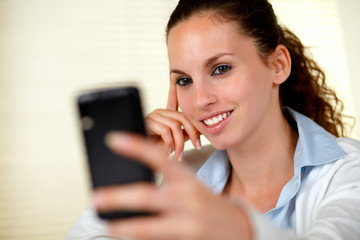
<point x="253" y="88"/>
<point x="185" y="104"/>
<point x="234" y="91"/>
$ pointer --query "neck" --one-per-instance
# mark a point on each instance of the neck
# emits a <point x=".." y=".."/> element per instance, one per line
<point x="264" y="164"/>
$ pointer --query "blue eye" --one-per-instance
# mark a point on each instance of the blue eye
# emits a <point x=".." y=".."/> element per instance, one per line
<point x="183" y="81"/>
<point x="221" y="69"/>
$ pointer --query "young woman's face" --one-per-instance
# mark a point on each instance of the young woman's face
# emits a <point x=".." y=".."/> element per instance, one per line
<point x="223" y="85"/>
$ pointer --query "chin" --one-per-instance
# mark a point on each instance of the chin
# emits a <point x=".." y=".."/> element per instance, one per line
<point x="220" y="144"/>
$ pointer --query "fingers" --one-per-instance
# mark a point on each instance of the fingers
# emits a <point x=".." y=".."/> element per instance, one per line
<point x="174" y="128"/>
<point x="131" y="197"/>
<point x="181" y="202"/>
<point x="172" y="103"/>
<point x="139" y="148"/>
<point x="170" y="132"/>
<point x="154" y="228"/>
<point x="148" y="153"/>
<point x="131" y="227"/>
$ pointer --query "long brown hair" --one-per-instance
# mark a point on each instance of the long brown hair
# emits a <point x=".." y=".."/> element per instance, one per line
<point x="305" y="90"/>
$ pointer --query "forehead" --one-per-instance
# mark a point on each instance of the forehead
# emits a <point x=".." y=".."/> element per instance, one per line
<point x="203" y="36"/>
<point x="200" y="25"/>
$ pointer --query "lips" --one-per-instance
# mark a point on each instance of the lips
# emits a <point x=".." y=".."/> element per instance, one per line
<point x="212" y="121"/>
<point x="214" y="124"/>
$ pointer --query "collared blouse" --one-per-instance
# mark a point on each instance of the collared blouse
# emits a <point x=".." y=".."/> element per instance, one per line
<point x="321" y="201"/>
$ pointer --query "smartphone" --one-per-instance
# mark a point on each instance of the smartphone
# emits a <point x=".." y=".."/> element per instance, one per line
<point x="102" y="111"/>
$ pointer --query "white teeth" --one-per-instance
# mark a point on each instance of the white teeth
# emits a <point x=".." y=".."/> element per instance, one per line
<point x="216" y="120"/>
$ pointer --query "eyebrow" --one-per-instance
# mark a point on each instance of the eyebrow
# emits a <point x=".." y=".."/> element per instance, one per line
<point x="177" y="72"/>
<point x="207" y="63"/>
<point x="211" y="60"/>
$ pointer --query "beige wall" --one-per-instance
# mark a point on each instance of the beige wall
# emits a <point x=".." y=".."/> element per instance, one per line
<point x="350" y="22"/>
<point x="50" y="49"/>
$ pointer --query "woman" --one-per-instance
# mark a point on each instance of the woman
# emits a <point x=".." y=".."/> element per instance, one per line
<point x="279" y="170"/>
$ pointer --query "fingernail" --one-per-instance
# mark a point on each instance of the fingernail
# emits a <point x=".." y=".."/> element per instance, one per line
<point x="115" y="139"/>
<point x="198" y="144"/>
<point x="180" y="158"/>
<point x="170" y="150"/>
<point x="97" y="199"/>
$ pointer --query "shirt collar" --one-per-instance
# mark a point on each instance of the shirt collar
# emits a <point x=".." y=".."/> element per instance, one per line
<point x="315" y="147"/>
<point x="215" y="171"/>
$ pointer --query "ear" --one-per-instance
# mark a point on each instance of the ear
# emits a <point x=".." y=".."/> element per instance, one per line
<point x="280" y="61"/>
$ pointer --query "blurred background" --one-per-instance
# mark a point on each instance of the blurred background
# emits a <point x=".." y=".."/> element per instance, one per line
<point x="51" y="49"/>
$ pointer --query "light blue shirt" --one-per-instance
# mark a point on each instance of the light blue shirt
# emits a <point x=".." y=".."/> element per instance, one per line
<point x="325" y="190"/>
<point x="315" y="147"/>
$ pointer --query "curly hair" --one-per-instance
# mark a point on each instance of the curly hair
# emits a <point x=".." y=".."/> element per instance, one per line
<point x="305" y="90"/>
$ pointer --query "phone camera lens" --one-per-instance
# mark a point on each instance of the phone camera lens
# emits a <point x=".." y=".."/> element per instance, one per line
<point x="87" y="123"/>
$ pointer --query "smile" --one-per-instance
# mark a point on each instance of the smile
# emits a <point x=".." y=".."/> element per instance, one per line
<point x="217" y="119"/>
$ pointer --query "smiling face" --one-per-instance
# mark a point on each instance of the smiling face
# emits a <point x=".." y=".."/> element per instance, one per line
<point x="223" y="85"/>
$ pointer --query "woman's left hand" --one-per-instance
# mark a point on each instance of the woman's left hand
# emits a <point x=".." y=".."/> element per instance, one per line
<point x="185" y="208"/>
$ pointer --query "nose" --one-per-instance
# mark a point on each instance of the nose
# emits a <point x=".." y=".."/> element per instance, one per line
<point x="204" y="94"/>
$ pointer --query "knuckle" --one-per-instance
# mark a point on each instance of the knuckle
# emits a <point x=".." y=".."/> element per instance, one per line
<point x="165" y="134"/>
<point x="157" y="110"/>
<point x="175" y="124"/>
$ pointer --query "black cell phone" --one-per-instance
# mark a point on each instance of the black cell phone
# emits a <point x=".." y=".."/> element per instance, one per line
<point x="103" y="111"/>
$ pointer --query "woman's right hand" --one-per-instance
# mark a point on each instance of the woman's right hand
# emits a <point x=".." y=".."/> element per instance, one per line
<point x="172" y="127"/>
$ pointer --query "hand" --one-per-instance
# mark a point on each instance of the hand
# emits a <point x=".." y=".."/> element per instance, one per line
<point x="172" y="126"/>
<point x="185" y="208"/>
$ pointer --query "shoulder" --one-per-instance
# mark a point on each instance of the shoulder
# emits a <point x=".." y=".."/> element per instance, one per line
<point x="349" y="145"/>
<point x="351" y="161"/>
<point x="330" y="193"/>
<point x="342" y="167"/>
<point x="340" y="174"/>
<point x="348" y="167"/>
<point x="351" y="158"/>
